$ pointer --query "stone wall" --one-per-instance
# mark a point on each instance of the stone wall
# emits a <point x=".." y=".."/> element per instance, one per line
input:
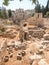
<point x="38" y="20"/>
<point x="37" y="33"/>
<point x="46" y="22"/>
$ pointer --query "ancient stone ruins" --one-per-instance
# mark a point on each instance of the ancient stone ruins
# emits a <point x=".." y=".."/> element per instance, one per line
<point x="27" y="44"/>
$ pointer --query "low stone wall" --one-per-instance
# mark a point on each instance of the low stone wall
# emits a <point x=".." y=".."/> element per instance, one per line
<point x="37" y="33"/>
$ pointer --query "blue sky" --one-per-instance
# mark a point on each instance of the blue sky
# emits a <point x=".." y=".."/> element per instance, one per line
<point x="25" y="4"/>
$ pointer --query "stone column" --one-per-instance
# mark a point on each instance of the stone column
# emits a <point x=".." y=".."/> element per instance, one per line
<point x="2" y="50"/>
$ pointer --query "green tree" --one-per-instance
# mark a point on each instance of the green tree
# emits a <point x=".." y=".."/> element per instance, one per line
<point x="47" y="6"/>
<point x="6" y="2"/>
<point x="3" y="13"/>
<point x="9" y="13"/>
<point x="38" y="8"/>
<point x="43" y="10"/>
<point x="47" y="14"/>
<point x="0" y="13"/>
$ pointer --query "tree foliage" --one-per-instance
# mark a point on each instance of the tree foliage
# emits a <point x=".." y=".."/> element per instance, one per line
<point x="6" y="2"/>
<point x="47" y="6"/>
<point x="38" y="8"/>
<point x="46" y="10"/>
<point x="43" y="10"/>
<point x="9" y="13"/>
<point x="3" y="14"/>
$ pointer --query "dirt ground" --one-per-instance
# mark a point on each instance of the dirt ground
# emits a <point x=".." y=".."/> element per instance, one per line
<point x="31" y="47"/>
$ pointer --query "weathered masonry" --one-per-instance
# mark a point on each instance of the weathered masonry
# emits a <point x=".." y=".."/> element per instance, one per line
<point x="3" y="46"/>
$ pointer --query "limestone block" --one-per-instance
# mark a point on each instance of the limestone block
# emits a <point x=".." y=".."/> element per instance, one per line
<point x="46" y="36"/>
<point x="42" y="62"/>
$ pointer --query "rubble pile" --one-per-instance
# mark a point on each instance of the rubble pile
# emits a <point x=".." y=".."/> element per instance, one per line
<point x="46" y="36"/>
<point x="28" y="45"/>
<point x="31" y="52"/>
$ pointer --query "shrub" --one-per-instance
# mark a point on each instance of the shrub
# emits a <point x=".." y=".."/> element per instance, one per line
<point x="3" y="29"/>
<point x="47" y="14"/>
